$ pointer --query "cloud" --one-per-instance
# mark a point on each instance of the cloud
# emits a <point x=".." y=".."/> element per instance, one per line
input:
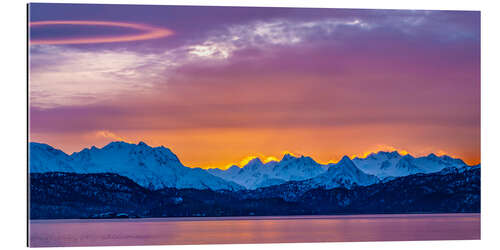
<point x="261" y="34"/>
<point x="61" y="76"/>
<point x="72" y="76"/>
<point x="109" y="135"/>
<point x="149" y="32"/>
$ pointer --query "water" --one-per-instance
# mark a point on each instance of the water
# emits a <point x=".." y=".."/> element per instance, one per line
<point x="279" y="229"/>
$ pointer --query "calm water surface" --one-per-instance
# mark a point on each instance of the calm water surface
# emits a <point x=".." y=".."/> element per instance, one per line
<point x="277" y="229"/>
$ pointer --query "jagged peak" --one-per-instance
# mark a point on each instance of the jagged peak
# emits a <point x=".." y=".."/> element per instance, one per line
<point x="432" y="155"/>
<point x="446" y="157"/>
<point x="388" y="154"/>
<point x="115" y="144"/>
<point x="307" y="158"/>
<point x="164" y="149"/>
<point x="123" y="144"/>
<point x="394" y="154"/>
<point x="233" y="167"/>
<point x="254" y="162"/>
<point x="346" y="162"/>
<point x="345" y="158"/>
<point x="287" y="157"/>
<point x="408" y="157"/>
<point x="271" y="163"/>
<point x="122" y="147"/>
<point x="45" y="147"/>
<point x="39" y="144"/>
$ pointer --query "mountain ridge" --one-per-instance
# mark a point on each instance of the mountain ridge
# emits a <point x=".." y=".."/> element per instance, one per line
<point x="159" y="167"/>
<point x="150" y="167"/>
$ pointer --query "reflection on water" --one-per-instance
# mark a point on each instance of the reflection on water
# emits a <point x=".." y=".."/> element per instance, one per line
<point x="254" y="230"/>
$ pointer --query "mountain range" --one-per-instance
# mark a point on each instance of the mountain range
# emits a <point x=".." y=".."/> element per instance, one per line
<point x="150" y="167"/>
<point x="158" y="167"/>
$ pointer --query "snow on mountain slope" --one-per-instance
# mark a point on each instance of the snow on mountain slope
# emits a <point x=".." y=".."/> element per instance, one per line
<point x="456" y="170"/>
<point x="158" y="167"/>
<point x="361" y="171"/>
<point x="256" y="174"/>
<point x="298" y="168"/>
<point x="392" y="164"/>
<point x="343" y="174"/>
<point x="150" y="167"/>
<point x="44" y="158"/>
<point x="250" y="176"/>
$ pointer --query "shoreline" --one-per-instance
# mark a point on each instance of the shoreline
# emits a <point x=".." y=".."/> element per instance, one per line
<point x="271" y="217"/>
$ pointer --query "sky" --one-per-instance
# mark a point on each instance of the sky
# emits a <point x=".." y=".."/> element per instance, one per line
<point x="221" y="85"/>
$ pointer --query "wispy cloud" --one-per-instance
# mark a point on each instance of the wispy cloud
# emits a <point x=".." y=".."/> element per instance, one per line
<point x="62" y="76"/>
<point x="65" y="76"/>
<point x="319" y="82"/>
<point x="262" y="34"/>
<point x="110" y="135"/>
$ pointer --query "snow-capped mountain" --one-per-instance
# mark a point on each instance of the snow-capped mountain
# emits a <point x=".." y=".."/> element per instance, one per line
<point x="250" y="176"/>
<point x="44" y="158"/>
<point x="392" y="164"/>
<point x="343" y="174"/>
<point x="150" y="167"/>
<point x="256" y="174"/>
<point x="158" y="167"/>
<point x="359" y="171"/>
<point x="298" y="168"/>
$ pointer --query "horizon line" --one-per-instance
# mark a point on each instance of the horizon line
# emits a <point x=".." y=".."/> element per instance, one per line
<point x="242" y="163"/>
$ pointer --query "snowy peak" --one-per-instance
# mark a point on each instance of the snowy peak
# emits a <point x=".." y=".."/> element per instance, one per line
<point x="297" y="168"/>
<point x="115" y="145"/>
<point x="256" y="174"/>
<point x="343" y="174"/>
<point x="346" y="162"/>
<point x="393" y="154"/>
<point x="302" y="161"/>
<point x="120" y="151"/>
<point x="433" y="157"/>
<point x="254" y="163"/>
<point x="42" y="147"/>
<point x="233" y="168"/>
<point x="43" y="158"/>
<point x="288" y="157"/>
<point x="346" y="168"/>
<point x="150" y="167"/>
<point x="382" y="155"/>
<point x="392" y="164"/>
<point x="159" y="167"/>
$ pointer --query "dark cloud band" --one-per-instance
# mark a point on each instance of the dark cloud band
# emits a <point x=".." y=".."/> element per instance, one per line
<point x="150" y="32"/>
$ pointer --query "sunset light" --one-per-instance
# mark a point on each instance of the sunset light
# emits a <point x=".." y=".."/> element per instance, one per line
<point x="149" y="32"/>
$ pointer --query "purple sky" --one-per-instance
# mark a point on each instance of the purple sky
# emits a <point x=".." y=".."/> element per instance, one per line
<point x="234" y="82"/>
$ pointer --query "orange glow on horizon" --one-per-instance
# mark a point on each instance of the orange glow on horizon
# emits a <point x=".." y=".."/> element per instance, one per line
<point x="151" y="32"/>
<point x="246" y="160"/>
<point x="208" y="148"/>
<point x="266" y="159"/>
<point x="379" y="148"/>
